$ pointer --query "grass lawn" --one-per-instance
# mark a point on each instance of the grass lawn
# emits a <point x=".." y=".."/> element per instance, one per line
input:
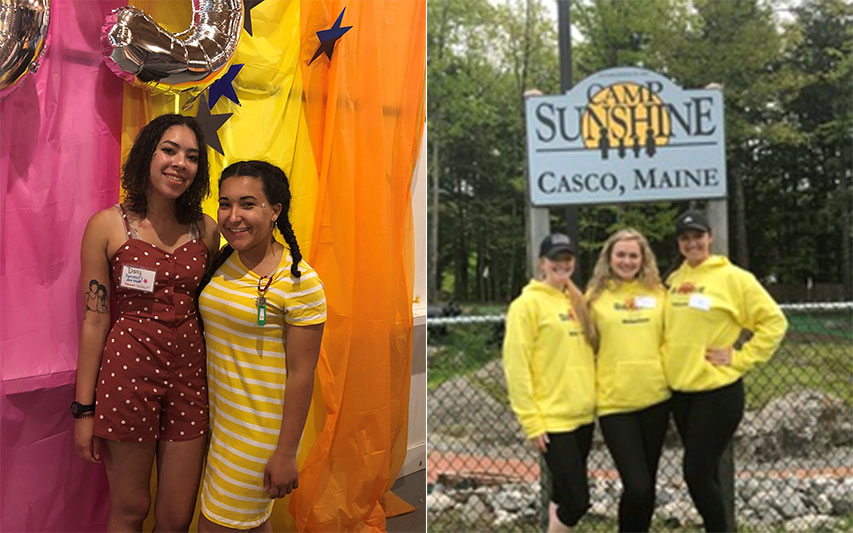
<point x="799" y="364"/>
<point x="463" y="349"/>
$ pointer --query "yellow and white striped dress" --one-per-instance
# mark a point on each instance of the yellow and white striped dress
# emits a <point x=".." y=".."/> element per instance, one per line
<point x="246" y="379"/>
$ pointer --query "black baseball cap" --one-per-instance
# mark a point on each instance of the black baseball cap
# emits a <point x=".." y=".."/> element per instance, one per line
<point x="691" y="219"/>
<point x="555" y="243"/>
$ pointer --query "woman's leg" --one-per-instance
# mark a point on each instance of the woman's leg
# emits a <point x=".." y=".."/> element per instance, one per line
<point x="179" y="465"/>
<point x="566" y="459"/>
<point x="554" y="523"/>
<point x="654" y="421"/>
<point x="128" y="467"/>
<point x="710" y="422"/>
<point x="623" y="435"/>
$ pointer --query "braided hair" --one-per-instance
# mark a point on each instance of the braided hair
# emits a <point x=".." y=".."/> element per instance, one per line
<point x="277" y="190"/>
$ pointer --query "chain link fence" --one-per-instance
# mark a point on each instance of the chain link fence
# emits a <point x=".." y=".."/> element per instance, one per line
<point x="793" y="451"/>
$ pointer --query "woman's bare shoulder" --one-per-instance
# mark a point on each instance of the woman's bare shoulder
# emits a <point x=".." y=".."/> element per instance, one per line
<point x="210" y="233"/>
<point x="105" y="220"/>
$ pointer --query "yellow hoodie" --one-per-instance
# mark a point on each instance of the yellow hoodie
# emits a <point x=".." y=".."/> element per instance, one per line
<point x="629" y="370"/>
<point x="549" y="366"/>
<point x="707" y="307"/>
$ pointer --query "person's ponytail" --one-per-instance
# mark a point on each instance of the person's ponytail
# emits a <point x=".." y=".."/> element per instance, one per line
<point x="582" y="314"/>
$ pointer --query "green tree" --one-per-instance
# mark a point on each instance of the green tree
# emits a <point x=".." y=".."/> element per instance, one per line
<point x="820" y="167"/>
<point x="480" y="58"/>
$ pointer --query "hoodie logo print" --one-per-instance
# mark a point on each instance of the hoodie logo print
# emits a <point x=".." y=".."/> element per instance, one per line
<point x="628" y="305"/>
<point x="568" y="316"/>
<point x="686" y="288"/>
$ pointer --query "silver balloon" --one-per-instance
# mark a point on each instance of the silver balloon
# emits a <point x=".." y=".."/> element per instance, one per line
<point x="23" y="34"/>
<point x="140" y="51"/>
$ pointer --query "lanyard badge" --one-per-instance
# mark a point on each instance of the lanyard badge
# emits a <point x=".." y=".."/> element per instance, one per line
<point x="261" y="301"/>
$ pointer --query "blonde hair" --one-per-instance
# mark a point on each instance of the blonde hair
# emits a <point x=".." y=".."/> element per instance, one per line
<point x="602" y="274"/>
<point x="581" y="309"/>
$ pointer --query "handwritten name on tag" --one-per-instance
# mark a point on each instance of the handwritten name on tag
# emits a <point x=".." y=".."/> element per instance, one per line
<point x="138" y="278"/>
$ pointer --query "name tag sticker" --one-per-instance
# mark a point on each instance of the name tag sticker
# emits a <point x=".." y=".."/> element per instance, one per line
<point x="700" y="301"/>
<point x="645" y="302"/>
<point x="134" y="277"/>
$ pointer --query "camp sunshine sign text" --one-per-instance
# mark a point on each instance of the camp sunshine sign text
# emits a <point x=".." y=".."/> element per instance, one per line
<point x="625" y="135"/>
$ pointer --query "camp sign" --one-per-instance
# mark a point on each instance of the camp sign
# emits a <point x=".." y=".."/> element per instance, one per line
<point x="625" y="135"/>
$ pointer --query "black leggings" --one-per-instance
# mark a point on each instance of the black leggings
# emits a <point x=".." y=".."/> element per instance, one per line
<point x="706" y="422"/>
<point x="566" y="460"/>
<point x="635" y="441"/>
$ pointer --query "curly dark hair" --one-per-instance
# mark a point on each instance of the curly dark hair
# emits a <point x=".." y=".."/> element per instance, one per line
<point x="136" y="169"/>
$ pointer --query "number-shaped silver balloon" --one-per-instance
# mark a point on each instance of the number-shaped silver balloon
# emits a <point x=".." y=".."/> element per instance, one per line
<point x="23" y="35"/>
<point x="140" y="51"/>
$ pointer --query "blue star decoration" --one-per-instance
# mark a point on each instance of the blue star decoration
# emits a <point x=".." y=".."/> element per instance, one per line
<point x="224" y="87"/>
<point x="329" y="37"/>
<point x="247" y="17"/>
<point x="210" y="124"/>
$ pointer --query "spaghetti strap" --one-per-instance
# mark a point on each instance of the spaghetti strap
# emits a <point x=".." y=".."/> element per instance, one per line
<point x="195" y="232"/>
<point x="131" y="234"/>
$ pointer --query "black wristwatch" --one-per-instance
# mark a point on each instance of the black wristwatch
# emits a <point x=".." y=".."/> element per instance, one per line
<point x="78" y="410"/>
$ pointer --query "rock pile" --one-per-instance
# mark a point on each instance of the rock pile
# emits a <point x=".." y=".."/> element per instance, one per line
<point x="807" y="423"/>
<point x="792" y="504"/>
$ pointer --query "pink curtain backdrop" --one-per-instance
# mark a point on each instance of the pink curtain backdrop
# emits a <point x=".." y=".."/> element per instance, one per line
<point x="59" y="163"/>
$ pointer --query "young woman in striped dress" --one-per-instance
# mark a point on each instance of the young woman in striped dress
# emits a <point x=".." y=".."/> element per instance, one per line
<point x="263" y="310"/>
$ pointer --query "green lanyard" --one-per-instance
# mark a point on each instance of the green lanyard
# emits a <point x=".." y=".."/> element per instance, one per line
<point x="261" y="301"/>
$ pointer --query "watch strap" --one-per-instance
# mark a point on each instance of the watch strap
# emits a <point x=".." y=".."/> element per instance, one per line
<point x="79" y="410"/>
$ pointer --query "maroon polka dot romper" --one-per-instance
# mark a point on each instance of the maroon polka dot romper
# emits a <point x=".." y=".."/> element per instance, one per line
<point x="152" y="382"/>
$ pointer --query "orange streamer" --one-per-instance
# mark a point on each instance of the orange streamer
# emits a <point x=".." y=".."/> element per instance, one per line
<point x="365" y="116"/>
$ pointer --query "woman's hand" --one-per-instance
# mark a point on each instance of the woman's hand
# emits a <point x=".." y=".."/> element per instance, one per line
<point x="281" y="474"/>
<point x="88" y="446"/>
<point x="540" y="442"/>
<point x="719" y="356"/>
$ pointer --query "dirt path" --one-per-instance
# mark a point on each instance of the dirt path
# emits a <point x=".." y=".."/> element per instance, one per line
<point x="487" y="469"/>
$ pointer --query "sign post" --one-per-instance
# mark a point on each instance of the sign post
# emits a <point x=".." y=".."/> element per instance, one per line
<point x="571" y="212"/>
<point x="718" y="217"/>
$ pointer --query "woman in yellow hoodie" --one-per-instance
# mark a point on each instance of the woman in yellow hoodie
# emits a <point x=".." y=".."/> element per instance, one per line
<point x="711" y="306"/>
<point x="626" y="299"/>
<point x="550" y="375"/>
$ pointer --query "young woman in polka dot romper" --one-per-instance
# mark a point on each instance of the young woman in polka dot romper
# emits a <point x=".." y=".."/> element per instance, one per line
<point x="141" y="385"/>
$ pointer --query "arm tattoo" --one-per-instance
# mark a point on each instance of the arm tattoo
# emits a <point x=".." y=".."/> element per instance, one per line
<point x="96" y="298"/>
